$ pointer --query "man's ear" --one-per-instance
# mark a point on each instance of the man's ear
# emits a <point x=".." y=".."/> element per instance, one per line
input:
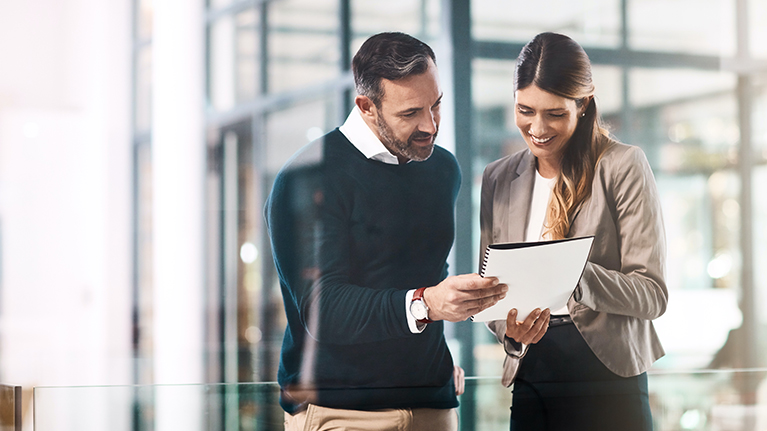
<point x="366" y="107"/>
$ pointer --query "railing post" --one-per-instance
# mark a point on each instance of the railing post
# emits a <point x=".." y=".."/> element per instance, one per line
<point x="10" y="407"/>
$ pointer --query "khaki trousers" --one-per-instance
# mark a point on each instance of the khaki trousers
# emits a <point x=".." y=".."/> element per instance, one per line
<point x="316" y="418"/>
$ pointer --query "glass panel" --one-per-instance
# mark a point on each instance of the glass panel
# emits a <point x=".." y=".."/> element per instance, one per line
<point x="173" y="407"/>
<point x="286" y="132"/>
<point x="701" y="400"/>
<point x="143" y="89"/>
<point x="420" y="18"/>
<point x="234" y="59"/>
<point x="304" y="46"/>
<point x="708" y="400"/>
<point x="290" y="129"/>
<point x="222" y="64"/>
<point x="657" y="86"/>
<point x="686" y="122"/>
<point x="701" y="216"/>
<point x="247" y="55"/>
<point x="685" y="26"/>
<point x="591" y="23"/>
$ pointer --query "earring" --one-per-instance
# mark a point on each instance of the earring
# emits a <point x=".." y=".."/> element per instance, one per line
<point x="583" y="114"/>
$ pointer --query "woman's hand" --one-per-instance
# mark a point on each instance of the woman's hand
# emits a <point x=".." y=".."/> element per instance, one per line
<point x="459" y="379"/>
<point x="531" y="330"/>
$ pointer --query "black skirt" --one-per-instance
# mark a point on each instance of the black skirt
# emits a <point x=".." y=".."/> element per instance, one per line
<point x="562" y="385"/>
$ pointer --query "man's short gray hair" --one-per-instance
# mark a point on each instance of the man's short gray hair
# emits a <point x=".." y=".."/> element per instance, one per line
<point x="389" y="56"/>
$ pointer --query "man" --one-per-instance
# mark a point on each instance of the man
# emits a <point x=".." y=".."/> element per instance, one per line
<point x="361" y="223"/>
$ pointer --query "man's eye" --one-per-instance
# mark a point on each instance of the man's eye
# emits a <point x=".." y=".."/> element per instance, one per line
<point x="557" y="115"/>
<point x="409" y="115"/>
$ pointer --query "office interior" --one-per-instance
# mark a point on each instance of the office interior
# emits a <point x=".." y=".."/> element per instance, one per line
<point x="139" y="140"/>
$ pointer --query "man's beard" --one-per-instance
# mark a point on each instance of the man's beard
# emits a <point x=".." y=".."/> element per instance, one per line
<point x="406" y="148"/>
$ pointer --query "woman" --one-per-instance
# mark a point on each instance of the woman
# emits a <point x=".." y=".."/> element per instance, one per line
<point x="581" y="367"/>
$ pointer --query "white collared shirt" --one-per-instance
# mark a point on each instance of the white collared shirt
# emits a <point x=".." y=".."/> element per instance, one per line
<point x="362" y="137"/>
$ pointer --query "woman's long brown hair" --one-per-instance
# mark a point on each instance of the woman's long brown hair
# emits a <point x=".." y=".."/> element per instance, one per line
<point x="557" y="64"/>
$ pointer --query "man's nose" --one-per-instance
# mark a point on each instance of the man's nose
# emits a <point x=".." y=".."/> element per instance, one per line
<point x="429" y="122"/>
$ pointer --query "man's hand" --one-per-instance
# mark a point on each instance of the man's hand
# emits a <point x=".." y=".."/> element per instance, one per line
<point x="458" y="297"/>
<point x="531" y="330"/>
<point x="459" y="379"/>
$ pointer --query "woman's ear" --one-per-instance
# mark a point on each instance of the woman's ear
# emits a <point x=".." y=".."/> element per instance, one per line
<point x="585" y="105"/>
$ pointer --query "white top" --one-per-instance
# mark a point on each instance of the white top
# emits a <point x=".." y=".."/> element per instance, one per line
<point x="538" y="208"/>
<point x="362" y="137"/>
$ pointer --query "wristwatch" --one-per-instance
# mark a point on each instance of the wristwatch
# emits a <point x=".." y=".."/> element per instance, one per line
<point x="418" y="307"/>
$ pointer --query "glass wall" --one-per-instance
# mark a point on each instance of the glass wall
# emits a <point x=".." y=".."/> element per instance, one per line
<point x="276" y="75"/>
<point x="669" y="78"/>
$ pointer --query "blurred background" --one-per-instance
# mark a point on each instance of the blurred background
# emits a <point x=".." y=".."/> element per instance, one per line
<point x="139" y="139"/>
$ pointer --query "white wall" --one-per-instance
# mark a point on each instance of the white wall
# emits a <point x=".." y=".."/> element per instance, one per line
<point x="65" y="193"/>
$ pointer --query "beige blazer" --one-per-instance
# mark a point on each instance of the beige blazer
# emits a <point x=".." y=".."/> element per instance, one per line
<point x="622" y="289"/>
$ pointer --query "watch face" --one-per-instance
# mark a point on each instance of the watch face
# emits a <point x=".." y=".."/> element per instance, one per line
<point x="418" y="310"/>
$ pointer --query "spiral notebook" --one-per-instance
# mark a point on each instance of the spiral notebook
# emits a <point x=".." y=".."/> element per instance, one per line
<point x="539" y="274"/>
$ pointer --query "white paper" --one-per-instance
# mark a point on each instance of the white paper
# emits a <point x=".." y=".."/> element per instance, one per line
<point x="539" y="275"/>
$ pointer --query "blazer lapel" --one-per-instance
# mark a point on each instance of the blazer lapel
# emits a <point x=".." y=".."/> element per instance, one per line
<point x="520" y="198"/>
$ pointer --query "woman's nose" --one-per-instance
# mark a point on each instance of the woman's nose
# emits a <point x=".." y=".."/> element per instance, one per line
<point x="537" y="126"/>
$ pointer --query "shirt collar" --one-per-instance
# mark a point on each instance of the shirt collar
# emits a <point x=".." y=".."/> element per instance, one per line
<point x="362" y="137"/>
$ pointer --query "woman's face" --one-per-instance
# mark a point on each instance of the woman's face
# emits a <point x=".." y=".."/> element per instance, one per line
<point x="547" y="122"/>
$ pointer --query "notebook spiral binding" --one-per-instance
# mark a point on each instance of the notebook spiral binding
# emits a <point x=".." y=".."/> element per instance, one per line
<point x="484" y="262"/>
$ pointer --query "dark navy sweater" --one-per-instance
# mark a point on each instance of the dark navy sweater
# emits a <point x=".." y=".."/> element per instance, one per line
<point x="350" y="236"/>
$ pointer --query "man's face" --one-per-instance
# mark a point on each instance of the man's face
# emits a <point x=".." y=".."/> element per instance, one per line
<point x="408" y="119"/>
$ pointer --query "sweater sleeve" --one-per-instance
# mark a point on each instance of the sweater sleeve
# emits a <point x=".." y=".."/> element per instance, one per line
<point x="310" y="234"/>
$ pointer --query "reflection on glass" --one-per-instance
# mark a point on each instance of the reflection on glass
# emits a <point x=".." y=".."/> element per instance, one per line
<point x="304" y="45"/>
<point x="290" y="129"/>
<point x="686" y="26"/>
<point x="592" y="23"/>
